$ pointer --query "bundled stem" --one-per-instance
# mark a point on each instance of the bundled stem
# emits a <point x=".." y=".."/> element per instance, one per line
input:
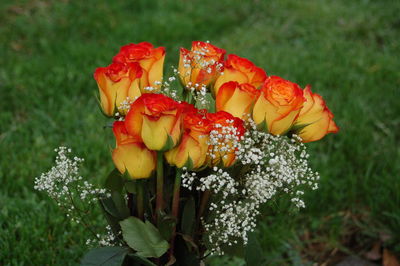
<point x="160" y="182"/>
<point x="175" y="206"/>
<point x="177" y="188"/>
<point x="204" y="202"/>
<point x="139" y="200"/>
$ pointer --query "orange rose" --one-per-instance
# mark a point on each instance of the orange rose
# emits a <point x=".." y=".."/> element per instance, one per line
<point x="241" y="70"/>
<point x="192" y="150"/>
<point x="117" y="83"/>
<point x="278" y="105"/>
<point x="236" y="99"/>
<point x="226" y="131"/>
<point x="315" y="119"/>
<point x="132" y="155"/>
<point x="150" y="59"/>
<point x="201" y="64"/>
<point x="156" y="119"/>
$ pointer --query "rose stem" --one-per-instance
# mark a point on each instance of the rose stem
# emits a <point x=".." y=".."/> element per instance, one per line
<point x="139" y="199"/>
<point x="175" y="205"/>
<point x="160" y="182"/>
<point x="130" y="204"/>
<point x="190" y="98"/>
<point x="177" y="188"/>
<point x="204" y="201"/>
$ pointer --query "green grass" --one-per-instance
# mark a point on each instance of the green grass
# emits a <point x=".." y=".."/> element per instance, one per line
<point x="348" y="50"/>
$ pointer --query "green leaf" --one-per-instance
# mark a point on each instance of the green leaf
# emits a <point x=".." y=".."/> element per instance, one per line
<point x="190" y="242"/>
<point x="295" y="129"/>
<point x="211" y="103"/>
<point x="120" y="204"/>
<point x="109" y="207"/>
<point x="111" y="219"/>
<point x="115" y="206"/>
<point x="107" y="256"/>
<point x="183" y="255"/>
<point x="254" y="253"/>
<point x="141" y="260"/>
<point x="114" y="181"/>
<point x="166" y="224"/>
<point x="189" y="217"/>
<point x="130" y="186"/>
<point x="263" y="126"/>
<point x="169" y="144"/>
<point x="189" y="163"/>
<point x="143" y="237"/>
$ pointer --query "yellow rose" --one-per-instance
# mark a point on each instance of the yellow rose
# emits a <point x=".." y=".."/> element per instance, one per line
<point x="222" y="150"/>
<point x="201" y="64"/>
<point x="192" y="149"/>
<point x="150" y="59"/>
<point x="117" y="83"/>
<point x="278" y="105"/>
<point x="315" y="119"/>
<point x="241" y="70"/>
<point x="132" y="155"/>
<point x="236" y="99"/>
<point x="156" y="120"/>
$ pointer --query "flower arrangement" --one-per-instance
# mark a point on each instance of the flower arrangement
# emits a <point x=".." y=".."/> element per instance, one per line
<point x="196" y="156"/>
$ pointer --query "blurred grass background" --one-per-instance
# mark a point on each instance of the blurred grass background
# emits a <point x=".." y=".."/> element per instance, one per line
<point x="349" y="51"/>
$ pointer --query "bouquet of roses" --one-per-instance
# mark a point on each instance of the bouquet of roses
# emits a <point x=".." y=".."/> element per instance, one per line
<point x="197" y="155"/>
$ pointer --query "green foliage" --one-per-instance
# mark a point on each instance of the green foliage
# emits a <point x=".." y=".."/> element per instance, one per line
<point x="115" y="206"/>
<point x="143" y="237"/>
<point x="139" y="261"/>
<point x="345" y="49"/>
<point x="188" y="217"/>
<point x="165" y="225"/>
<point x="114" y="181"/>
<point x="254" y="254"/>
<point x="110" y="256"/>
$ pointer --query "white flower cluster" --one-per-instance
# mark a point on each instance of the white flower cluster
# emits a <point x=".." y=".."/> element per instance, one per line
<point x="199" y="94"/>
<point x="125" y="106"/>
<point x="108" y="239"/>
<point x="64" y="184"/>
<point x="167" y="90"/>
<point x="218" y="182"/>
<point x="223" y="140"/>
<point x="199" y="61"/>
<point x="266" y="166"/>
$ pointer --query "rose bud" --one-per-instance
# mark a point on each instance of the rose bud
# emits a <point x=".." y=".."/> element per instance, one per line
<point x="236" y="99"/>
<point x="117" y="83"/>
<point x="156" y="119"/>
<point x="151" y="60"/>
<point x="192" y="149"/>
<point x="278" y="105"/>
<point x="200" y="65"/>
<point x="132" y="155"/>
<point x="315" y="119"/>
<point x="241" y="70"/>
<point x="226" y="132"/>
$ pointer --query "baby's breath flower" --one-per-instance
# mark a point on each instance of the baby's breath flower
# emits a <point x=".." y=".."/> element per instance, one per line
<point x="71" y="193"/>
<point x="273" y="164"/>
